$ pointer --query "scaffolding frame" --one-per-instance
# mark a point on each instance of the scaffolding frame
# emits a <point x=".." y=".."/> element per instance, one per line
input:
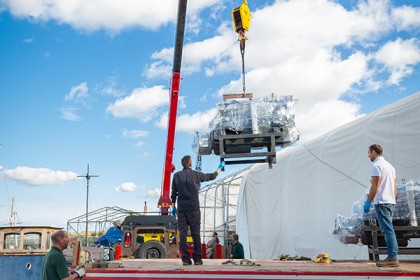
<point x="99" y="220"/>
<point x="218" y="202"/>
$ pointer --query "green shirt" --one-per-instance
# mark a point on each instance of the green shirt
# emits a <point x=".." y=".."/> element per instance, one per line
<point x="54" y="265"/>
<point x="238" y="251"/>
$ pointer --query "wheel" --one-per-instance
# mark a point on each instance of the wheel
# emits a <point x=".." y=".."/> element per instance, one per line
<point x="152" y="250"/>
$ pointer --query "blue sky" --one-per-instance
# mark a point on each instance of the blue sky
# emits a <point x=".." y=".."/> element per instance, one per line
<point x="86" y="84"/>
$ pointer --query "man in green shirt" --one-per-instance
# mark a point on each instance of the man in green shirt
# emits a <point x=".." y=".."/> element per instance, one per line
<point x="238" y="249"/>
<point x="54" y="263"/>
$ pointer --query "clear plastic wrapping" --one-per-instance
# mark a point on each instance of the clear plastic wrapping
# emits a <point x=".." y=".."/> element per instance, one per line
<point x="349" y="230"/>
<point x="406" y="212"/>
<point x="234" y="115"/>
<point x="407" y="207"/>
<point x="202" y="143"/>
<point x="269" y="114"/>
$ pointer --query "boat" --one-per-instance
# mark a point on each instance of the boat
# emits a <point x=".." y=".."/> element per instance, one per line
<point x="22" y="249"/>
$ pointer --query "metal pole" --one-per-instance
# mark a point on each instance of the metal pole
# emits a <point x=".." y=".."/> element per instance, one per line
<point x="11" y="213"/>
<point x="87" y="211"/>
<point x="87" y="176"/>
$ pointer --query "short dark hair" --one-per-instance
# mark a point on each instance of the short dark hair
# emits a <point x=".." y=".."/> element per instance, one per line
<point x="186" y="160"/>
<point x="377" y="148"/>
<point x="235" y="237"/>
<point x="56" y="236"/>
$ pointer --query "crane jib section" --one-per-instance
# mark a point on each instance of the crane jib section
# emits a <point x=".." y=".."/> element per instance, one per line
<point x="164" y="201"/>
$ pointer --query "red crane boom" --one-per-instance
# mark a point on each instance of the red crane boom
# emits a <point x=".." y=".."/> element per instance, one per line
<point x="164" y="201"/>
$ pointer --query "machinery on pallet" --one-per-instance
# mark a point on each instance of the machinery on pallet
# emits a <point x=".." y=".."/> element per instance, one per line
<point x="249" y="128"/>
<point x="246" y="128"/>
<point x="363" y="228"/>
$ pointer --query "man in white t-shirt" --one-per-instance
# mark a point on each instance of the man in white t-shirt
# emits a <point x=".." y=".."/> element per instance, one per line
<point x="383" y="193"/>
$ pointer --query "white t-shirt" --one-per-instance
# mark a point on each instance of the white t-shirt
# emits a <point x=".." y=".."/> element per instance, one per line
<point x="386" y="171"/>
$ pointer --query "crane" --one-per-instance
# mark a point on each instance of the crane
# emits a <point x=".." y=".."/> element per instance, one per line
<point x="164" y="201"/>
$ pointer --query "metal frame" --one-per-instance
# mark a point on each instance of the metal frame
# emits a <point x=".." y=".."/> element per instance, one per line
<point x="219" y="201"/>
<point x="374" y="250"/>
<point x="101" y="219"/>
<point x="261" y="140"/>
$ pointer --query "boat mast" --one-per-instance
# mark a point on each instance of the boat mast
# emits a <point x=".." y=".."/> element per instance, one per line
<point x="87" y="176"/>
<point x="12" y="220"/>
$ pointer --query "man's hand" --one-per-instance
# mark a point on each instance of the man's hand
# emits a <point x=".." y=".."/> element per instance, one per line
<point x="221" y="165"/>
<point x="80" y="272"/>
<point x="366" y="207"/>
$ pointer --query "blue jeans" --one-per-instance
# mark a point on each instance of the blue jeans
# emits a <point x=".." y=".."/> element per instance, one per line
<point x="384" y="216"/>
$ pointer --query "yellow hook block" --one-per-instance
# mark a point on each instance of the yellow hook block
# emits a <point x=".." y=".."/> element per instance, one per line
<point x="241" y="17"/>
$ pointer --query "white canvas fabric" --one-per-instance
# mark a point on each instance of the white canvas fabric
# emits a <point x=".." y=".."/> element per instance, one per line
<point x="290" y="208"/>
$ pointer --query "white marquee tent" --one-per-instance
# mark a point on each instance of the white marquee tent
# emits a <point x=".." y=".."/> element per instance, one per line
<point x="290" y="208"/>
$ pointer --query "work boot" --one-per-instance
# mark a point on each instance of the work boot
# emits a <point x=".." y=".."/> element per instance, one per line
<point x="200" y="262"/>
<point x="187" y="262"/>
<point x="388" y="262"/>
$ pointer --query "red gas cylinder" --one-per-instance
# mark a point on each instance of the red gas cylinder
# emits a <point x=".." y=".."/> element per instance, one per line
<point x="203" y="251"/>
<point x="219" y="251"/>
<point x="190" y="250"/>
<point x="118" y="252"/>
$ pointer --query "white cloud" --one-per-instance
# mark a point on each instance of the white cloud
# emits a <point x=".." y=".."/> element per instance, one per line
<point x="28" y="40"/>
<point x="135" y="133"/>
<point x="322" y="78"/>
<point x="111" y="87"/>
<point x="189" y="123"/>
<point x="325" y="116"/>
<point x="140" y="144"/>
<point x="399" y="57"/>
<point x="69" y="114"/>
<point x="144" y="155"/>
<point x="39" y="176"/>
<point x="406" y="17"/>
<point x="212" y="50"/>
<point x="155" y="193"/>
<point x="1" y="167"/>
<point x="103" y="14"/>
<point x="158" y="70"/>
<point x="126" y="187"/>
<point x="142" y="104"/>
<point x="77" y="93"/>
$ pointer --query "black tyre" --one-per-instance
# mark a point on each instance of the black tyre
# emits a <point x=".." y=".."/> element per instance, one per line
<point x="152" y="250"/>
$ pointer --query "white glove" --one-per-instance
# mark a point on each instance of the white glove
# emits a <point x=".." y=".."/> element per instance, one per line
<point x="80" y="272"/>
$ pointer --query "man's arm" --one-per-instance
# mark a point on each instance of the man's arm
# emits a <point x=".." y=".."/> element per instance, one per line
<point x="210" y="176"/>
<point x="395" y="188"/>
<point x="204" y="177"/>
<point x="376" y="180"/>
<point x="174" y="191"/>
<point x="72" y="277"/>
